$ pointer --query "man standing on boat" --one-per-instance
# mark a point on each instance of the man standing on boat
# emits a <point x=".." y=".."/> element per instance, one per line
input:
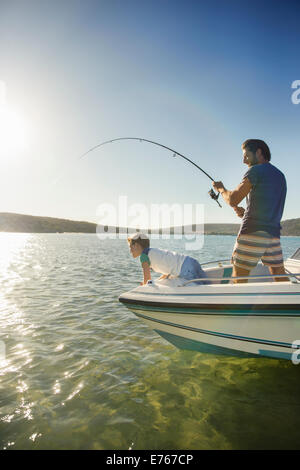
<point x="264" y="187"/>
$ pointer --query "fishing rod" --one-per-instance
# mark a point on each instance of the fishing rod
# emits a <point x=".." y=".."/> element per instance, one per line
<point x="212" y="194"/>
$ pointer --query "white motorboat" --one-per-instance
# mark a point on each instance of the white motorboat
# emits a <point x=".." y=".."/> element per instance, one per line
<point x="257" y="318"/>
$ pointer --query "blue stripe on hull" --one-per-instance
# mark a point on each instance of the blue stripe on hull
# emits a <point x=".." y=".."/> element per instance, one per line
<point x="275" y="354"/>
<point x="217" y="333"/>
<point x="192" y="345"/>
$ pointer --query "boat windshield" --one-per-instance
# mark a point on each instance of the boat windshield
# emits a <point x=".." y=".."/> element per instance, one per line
<point x="296" y="255"/>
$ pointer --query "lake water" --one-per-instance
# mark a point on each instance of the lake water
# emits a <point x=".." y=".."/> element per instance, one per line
<point x="82" y="372"/>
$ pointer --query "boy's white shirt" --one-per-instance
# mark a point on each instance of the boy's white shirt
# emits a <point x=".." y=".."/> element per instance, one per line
<point x="166" y="262"/>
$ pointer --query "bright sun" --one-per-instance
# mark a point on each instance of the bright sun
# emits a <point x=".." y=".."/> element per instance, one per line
<point x="13" y="132"/>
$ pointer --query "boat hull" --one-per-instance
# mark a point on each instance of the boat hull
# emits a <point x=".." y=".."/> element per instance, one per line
<point x="246" y="321"/>
<point x="238" y="335"/>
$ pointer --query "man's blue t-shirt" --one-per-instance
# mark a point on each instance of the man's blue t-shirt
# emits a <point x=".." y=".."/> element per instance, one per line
<point x="265" y="202"/>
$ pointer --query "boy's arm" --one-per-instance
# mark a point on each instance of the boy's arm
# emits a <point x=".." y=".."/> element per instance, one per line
<point x="163" y="276"/>
<point x="146" y="271"/>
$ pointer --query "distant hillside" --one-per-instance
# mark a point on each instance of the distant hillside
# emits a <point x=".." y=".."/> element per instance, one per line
<point x="10" y="222"/>
<point x="32" y="224"/>
<point x="291" y="227"/>
<point x="221" y="229"/>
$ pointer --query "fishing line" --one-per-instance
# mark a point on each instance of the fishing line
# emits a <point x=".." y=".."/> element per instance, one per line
<point x="212" y="194"/>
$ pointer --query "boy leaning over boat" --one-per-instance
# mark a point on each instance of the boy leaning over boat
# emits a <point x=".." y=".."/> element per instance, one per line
<point x="167" y="263"/>
<point x="264" y="187"/>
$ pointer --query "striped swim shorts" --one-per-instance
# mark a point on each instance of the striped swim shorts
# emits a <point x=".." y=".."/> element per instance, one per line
<point x="251" y="247"/>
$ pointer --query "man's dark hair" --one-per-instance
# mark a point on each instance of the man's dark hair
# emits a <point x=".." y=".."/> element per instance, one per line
<point x="254" y="144"/>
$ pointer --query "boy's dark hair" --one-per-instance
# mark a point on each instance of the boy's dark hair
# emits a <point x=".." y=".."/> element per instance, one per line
<point x="254" y="144"/>
<point x="141" y="240"/>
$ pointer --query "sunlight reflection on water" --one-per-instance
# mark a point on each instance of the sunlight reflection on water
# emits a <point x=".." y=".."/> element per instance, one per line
<point x="81" y="371"/>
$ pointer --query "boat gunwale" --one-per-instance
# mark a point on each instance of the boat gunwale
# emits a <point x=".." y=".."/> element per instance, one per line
<point x="251" y="308"/>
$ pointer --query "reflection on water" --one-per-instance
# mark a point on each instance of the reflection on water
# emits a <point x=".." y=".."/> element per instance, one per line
<point x="82" y="372"/>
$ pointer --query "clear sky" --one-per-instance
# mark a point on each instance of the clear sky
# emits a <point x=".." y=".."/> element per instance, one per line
<point x="198" y="76"/>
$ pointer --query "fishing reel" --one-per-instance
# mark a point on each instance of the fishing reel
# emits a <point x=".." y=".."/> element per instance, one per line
<point x="214" y="196"/>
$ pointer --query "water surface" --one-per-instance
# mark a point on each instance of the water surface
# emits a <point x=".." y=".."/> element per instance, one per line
<point x="82" y="372"/>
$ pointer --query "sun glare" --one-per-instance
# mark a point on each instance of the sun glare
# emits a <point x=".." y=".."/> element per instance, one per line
<point x="13" y="131"/>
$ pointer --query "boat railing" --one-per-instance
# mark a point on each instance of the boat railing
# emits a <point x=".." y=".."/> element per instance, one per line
<point x="215" y="262"/>
<point x="233" y="278"/>
<point x="296" y="255"/>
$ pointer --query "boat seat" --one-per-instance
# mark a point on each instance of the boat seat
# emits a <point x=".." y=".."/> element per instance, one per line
<point x="226" y="271"/>
<point x="218" y="272"/>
